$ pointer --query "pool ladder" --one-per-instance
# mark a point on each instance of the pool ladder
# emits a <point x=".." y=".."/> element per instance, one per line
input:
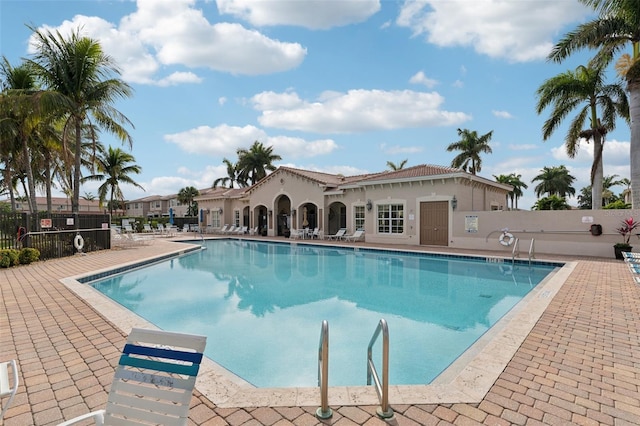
<point x="324" y="412"/>
<point x="516" y="250"/>
<point x="382" y="387"/>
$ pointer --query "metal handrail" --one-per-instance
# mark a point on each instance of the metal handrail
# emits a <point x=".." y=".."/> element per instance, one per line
<point x="382" y="390"/>
<point x="515" y="252"/>
<point x="324" y="412"/>
<point x="532" y="254"/>
<point x="62" y="231"/>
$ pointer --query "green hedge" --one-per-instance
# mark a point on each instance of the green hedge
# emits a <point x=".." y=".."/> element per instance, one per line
<point x="13" y="257"/>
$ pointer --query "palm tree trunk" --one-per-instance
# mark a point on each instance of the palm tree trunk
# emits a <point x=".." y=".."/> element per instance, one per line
<point x="633" y="87"/>
<point x="597" y="173"/>
<point x="31" y="185"/>
<point x="75" y="200"/>
<point x="8" y="179"/>
<point x="47" y="177"/>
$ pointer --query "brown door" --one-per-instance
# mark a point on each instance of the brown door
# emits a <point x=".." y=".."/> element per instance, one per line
<point x="434" y="223"/>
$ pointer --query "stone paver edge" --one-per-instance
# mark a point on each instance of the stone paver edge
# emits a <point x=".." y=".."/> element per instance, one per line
<point x="466" y="381"/>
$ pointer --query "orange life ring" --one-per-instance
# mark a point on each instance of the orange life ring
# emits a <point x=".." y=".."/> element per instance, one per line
<point x="22" y="231"/>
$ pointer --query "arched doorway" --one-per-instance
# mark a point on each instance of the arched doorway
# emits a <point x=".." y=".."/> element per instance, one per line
<point x="336" y="217"/>
<point x="260" y="219"/>
<point x="282" y="216"/>
<point x="307" y="216"/>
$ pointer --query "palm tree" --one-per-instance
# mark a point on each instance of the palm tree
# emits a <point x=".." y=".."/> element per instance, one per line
<point x="254" y="163"/>
<point x="626" y="193"/>
<point x="82" y="85"/>
<point x="186" y="196"/>
<point x="515" y="181"/>
<point x="471" y="146"/>
<point x="114" y="167"/>
<point x="230" y="179"/>
<point x="518" y="185"/>
<point x="607" y="183"/>
<point x="584" y="198"/>
<point x="393" y="166"/>
<point x="554" y="181"/>
<point x="552" y="202"/>
<point x="19" y="120"/>
<point x="584" y="90"/>
<point x="616" y="26"/>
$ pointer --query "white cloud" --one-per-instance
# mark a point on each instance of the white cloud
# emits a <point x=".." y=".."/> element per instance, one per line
<point x="224" y="140"/>
<point x="355" y="111"/>
<point x="523" y="147"/>
<point x="179" y="78"/>
<point x="162" y="35"/>
<point x="313" y="14"/>
<point x="397" y="149"/>
<point x="502" y="114"/>
<point x="518" y="31"/>
<point x="220" y="141"/>
<point x="458" y="84"/>
<point x="222" y="100"/>
<point x="421" y="78"/>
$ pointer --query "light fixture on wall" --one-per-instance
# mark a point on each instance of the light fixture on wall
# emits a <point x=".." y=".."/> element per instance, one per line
<point x="454" y="202"/>
<point x="293" y="211"/>
<point x="369" y="205"/>
<point x="270" y="212"/>
<point x="220" y="210"/>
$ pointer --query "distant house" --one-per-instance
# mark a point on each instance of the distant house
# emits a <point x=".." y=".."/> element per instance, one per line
<point x="60" y="205"/>
<point x="407" y="206"/>
<point x="155" y="206"/>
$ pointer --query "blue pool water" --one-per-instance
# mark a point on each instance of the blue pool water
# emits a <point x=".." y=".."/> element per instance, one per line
<point x="262" y="304"/>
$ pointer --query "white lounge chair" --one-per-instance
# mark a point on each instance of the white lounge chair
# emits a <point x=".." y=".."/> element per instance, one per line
<point x="338" y="235"/>
<point x="153" y="381"/>
<point x="223" y="229"/>
<point x="7" y="387"/>
<point x="231" y="230"/>
<point x="253" y="231"/>
<point x="357" y="236"/>
<point x="242" y="230"/>
<point x="147" y="228"/>
<point x="119" y="239"/>
<point x="317" y="233"/>
<point x="296" y="234"/>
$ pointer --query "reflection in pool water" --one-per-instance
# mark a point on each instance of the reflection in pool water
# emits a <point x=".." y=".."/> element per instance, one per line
<point x="261" y="306"/>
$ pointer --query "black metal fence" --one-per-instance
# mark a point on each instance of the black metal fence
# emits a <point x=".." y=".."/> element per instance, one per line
<point x="55" y="235"/>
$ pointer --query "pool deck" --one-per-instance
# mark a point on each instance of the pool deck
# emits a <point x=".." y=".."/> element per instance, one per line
<point x="580" y="363"/>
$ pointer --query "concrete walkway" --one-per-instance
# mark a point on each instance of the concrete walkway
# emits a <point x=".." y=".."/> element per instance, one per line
<point x="579" y="365"/>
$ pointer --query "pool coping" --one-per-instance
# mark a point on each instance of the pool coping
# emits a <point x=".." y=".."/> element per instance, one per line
<point x="467" y="380"/>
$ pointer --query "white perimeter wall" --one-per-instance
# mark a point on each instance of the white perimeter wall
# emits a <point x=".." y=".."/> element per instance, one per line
<point x="565" y="232"/>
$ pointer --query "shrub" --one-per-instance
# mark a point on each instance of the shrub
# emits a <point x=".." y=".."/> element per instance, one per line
<point x="14" y="255"/>
<point x="5" y="262"/>
<point x="29" y="255"/>
<point x="9" y="257"/>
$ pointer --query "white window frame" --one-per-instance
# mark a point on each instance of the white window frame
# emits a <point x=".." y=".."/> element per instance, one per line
<point x="390" y="219"/>
<point x="359" y="216"/>
<point x="215" y="218"/>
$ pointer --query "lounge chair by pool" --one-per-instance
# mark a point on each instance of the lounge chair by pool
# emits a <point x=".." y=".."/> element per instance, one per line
<point x="153" y="381"/>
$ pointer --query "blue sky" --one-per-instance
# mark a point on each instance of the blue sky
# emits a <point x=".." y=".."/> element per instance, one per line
<point x="334" y="86"/>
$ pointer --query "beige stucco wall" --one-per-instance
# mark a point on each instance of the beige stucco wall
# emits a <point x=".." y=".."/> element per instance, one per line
<point x="564" y="232"/>
<point x="281" y="186"/>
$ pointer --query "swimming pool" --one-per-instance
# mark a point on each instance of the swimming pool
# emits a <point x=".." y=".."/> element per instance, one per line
<point x="261" y="304"/>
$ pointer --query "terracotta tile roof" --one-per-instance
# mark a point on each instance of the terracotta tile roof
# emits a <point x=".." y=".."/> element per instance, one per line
<point x="422" y="170"/>
<point x="327" y="178"/>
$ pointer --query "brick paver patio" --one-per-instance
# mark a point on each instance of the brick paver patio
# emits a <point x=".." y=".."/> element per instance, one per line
<point x="579" y="365"/>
